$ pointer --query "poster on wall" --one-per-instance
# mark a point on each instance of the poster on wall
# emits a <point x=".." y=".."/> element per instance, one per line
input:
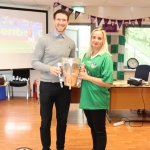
<point x="110" y="28"/>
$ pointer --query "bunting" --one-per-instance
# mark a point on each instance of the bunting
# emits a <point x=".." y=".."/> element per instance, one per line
<point x="143" y="19"/>
<point x="119" y="23"/>
<point x="56" y="4"/>
<point x="99" y="19"/>
<point x="106" y="22"/>
<point x="113" y="23"/>
<point x="70" y="10"/>
<point x="92" y="19"/>
<point x="139" y="21"/>
<point x="126" y="22"/>
<point x="63" y="7"/>
<point x="132" y="22"/>
<point x="77" y="13"/>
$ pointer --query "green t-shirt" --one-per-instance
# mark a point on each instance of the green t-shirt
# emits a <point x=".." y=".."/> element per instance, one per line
<point x="93" y="96"/>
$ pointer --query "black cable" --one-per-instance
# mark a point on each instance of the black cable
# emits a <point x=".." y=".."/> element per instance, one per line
<point x="128" y="120"/>
<point x="143" y="98"/>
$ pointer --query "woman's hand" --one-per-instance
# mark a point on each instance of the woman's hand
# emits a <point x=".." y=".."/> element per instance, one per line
<point x="83" y="74"/>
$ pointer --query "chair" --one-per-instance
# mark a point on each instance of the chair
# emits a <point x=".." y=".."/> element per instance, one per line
<point x="23" y="80"/>
<point x="142" y="72"/>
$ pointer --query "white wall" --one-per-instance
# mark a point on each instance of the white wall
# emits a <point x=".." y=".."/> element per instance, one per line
<point x="128" y="73"/>
<point x="82" y="18"/>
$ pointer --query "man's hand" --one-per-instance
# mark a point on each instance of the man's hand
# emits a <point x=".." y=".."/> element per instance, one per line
<point x="55" y="70"/>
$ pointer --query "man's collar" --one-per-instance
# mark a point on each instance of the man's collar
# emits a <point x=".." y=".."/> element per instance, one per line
<point x="56" y="33"/>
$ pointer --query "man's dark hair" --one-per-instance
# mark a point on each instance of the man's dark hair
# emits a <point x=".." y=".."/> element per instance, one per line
<point x="62" y="11"/>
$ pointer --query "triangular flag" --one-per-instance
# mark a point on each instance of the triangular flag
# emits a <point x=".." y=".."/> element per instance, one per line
<point x="56" y="4"/>
<point x="132" y="22"/>
<point x="70" y="10"/>
<point x="77" y="14"/>
<point x="92" y="19"/>
<point x="139" y="21"/>
<point x="106" y="22"/>
<point x="126" y="22"/>
<point x="63" y="7"/>
<point x="113" y="22"/>
<point x="143" y="19"/>
<point x="99" y="20"/>
<point x="149" y="18"/>
<point x="119" y="23"/>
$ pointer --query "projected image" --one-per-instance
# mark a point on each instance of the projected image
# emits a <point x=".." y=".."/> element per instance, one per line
<point x="18" y="35"/>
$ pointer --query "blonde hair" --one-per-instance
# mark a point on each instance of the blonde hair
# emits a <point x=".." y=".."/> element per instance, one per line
<point x="104" y="48"/>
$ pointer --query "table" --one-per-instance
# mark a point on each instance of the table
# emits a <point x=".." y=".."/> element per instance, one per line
<point x="125" y="96"/>
<point x="75" y="95"/>
<point x="122" y="96"/>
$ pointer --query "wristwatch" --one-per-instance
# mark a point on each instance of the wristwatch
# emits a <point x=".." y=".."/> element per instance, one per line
<point x="132" y="63"/>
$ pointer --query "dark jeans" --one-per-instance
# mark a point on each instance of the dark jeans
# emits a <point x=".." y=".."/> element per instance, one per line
<point x="51" y="93"/>
<point x="96" y="121"/>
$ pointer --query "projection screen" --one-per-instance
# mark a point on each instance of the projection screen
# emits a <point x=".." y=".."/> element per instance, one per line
<point x="19" y="31"/>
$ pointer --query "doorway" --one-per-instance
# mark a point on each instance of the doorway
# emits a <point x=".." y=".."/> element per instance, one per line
<point x="80" y="34"/>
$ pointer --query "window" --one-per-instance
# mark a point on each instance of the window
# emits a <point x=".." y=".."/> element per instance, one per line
<point x="137" y="44"/>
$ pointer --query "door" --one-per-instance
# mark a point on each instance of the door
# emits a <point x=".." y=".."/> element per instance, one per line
<point x="80" y="34"/>
<point x="74" y="35"/>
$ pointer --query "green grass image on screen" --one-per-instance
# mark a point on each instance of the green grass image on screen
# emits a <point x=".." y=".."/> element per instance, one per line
<point x="22" y="46"/>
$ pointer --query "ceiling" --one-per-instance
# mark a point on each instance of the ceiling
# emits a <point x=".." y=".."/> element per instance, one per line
<point x="68" y="3"/>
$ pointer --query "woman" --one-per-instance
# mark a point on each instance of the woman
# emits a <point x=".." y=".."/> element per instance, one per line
<point x="97" y="78"/>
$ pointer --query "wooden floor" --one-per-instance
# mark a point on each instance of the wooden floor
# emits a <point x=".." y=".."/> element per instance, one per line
<point x="20" y="122"/>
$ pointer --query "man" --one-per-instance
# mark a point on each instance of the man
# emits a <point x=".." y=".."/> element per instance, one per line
<point x="49" y="50"/>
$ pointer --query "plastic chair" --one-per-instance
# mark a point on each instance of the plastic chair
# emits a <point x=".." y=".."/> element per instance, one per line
<point x="23" y="80"/>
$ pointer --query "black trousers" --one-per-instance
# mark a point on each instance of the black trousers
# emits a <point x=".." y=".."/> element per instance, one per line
<point x="96" y="121"/>
<point x="52" y="93"/>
